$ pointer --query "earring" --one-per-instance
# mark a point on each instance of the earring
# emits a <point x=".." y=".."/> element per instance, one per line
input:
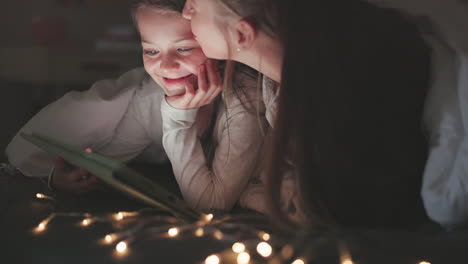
<point x="238" y="49"/>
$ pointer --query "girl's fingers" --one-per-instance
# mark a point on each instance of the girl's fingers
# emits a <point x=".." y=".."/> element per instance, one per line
<point x="189" y="89"/>
<point x="214" y="94"/>
<point x="202" y="79"/>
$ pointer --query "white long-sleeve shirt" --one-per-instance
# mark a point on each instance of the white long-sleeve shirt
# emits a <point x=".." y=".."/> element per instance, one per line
<point x="445" y="179"/>
<point x="85" y="119"/>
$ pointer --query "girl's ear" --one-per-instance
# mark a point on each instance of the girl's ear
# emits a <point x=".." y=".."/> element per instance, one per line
<point x="245" y="33"/>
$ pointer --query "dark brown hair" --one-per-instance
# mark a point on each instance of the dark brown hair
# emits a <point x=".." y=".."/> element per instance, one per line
<point x="354" y="79"/>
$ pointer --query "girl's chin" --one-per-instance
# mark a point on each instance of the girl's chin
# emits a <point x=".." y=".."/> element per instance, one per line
<point x="175" y="92"/>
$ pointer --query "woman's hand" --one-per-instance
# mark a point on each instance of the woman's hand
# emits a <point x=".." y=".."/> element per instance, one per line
<point x="209" y="86"/>
<point x="76" y="180"/>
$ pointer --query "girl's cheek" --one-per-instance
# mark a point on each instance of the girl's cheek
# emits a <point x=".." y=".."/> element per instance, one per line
<point x="195" y="60"/>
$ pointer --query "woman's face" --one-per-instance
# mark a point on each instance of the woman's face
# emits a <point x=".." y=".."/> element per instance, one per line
<point x="171" y="55"/>
<point x="208" y="33"/>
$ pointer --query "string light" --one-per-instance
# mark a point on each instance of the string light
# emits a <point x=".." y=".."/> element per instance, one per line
<point x="208" y="217"/>
<point x="243" y="258"/>
<point x="86" y="222"/>
<point x="204" y="226"/>
<point x="199" y="232"/>
<point x="265" y="236"/>
<point x="298" y="261"/>
<point x="264" y="249"/>
<point x="173" y="232"/>
<point x="238" y="247"/>
<point x="347" y="261"/>
<point x="424" y="262"/>
<point x="43" y="196"/>
<point x="121" y="247"/>
<point x="110" y="238"/>
<point x="43" y="225"/>
<point x="218" y="235"/>
<point x="161" y="225"/>
<point x="212" y="259"/>
<point x="121" y="215"/>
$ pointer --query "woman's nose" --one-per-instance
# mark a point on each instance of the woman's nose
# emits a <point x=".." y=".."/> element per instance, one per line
<point x="188" y="9"/>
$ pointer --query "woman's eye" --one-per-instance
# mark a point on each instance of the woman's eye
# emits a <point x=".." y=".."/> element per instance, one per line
<point x="185" y="49"/>
<point x="150" y="52"/>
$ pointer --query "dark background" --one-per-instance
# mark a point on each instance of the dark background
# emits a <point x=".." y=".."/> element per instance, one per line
<point x="49" y="47"/>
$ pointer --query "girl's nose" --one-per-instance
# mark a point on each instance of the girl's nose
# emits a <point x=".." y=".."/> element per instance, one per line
<point x="169" y="64"/>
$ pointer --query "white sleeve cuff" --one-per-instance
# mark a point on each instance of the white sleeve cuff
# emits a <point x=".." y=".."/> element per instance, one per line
<point x="188" y="115"/>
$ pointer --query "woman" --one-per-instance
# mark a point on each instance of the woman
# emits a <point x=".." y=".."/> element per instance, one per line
<point x="352" y="81"/>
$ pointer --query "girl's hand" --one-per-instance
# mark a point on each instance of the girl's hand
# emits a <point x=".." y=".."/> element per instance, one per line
<point x="209" y="86"/>
<point x="76" y="180"/>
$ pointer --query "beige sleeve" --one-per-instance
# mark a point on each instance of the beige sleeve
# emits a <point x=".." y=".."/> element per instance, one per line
<point x="236" y="155"/>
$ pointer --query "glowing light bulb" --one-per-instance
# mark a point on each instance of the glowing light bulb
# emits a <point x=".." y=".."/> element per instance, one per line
<point x="238" y="247"/>
<point x="43" y="196"/>
<point x="121" y="247"/>
<point x="212" y="259"/>
<point x="266" y="236"/>
<point x="172" y="232"/>
<point x="208" y="217"/>
<point x="243" y="258"/>
<point x="218" y="235"/>
<point x="347" y="261"/>
<point x="298" y="261"/>
<point x="424" y="262"/>
<point x="109" y="238"/>
<point x="88" y="150"/>
<point x="264" y="249"/>
<point x="119" y="216"/>
<point x="199" y="232"/>
<point x="41" y="227"/>
<point x="86" y="222"/>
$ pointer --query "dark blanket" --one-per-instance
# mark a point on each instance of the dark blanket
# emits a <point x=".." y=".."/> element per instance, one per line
<point x="67" y="242"/>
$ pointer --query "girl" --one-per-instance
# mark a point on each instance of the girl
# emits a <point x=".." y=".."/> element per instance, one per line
<point x="350" y="81"/>
<point x="212" y="143"/>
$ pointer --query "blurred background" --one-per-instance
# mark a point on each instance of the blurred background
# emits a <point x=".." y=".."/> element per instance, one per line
<point x="50" y="47"/>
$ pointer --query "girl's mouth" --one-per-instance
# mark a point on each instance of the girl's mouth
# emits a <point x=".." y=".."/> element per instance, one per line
<point x="177" y="81"/>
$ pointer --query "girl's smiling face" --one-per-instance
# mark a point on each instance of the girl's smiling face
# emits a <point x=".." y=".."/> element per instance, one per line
<point x="171" y="55"/>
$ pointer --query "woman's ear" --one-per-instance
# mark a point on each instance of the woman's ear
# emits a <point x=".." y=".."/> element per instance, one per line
<point x="245" y="33"/>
